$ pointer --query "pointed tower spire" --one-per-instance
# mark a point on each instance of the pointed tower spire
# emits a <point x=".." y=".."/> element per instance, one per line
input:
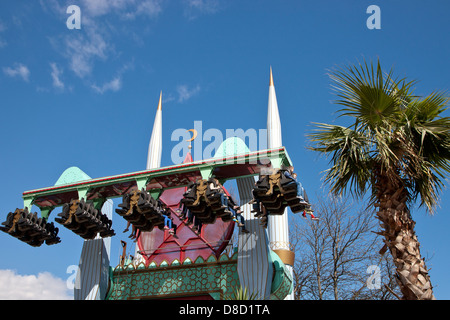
<point x="271" y="78"/>
<point x="153" y="162"/>
<point x="278" y="225"/>
<point x="273" y="118"/>
<point x="155" y="146"/>
<point x="160" y="101"/>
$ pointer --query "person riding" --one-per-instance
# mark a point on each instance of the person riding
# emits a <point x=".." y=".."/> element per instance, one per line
<point x="237" y="214"/>
<point x="168" y="224"/>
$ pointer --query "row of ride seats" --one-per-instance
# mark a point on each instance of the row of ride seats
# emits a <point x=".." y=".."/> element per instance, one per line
<point x="30" y="229"/>
<point x="142" y="210"/>
<point x="83" y="219"/>
<point x="276" y="192"/>
<point x="204" y="202"/>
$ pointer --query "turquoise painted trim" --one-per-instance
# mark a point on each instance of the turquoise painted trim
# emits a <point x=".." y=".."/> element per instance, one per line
<point x="28" y="202"/>
<point x="142" y="182"/>
<point x="216" y="277"/>
<point x="98" y="203"/>
<point x="277" y="162"/>
<point x="155" y="193"/>
<point x="278" y="266"/>
<point x="82" y="192"/>
<point x="45" y="212"/>
<point x="282" y="282"/>
<point x="206" y="172"/>
<point x="230" y="147"/>
<point x="71" y="175"/>
<point x="215" y="295"/>
<point x="189" y="167"/>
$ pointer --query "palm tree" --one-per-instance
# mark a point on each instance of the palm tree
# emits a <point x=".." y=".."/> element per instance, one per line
<point x="397" y="150"/>
<point x="241" y="294"/>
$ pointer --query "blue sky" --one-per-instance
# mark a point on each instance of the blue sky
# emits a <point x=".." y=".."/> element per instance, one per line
<point x="88" y="97"/>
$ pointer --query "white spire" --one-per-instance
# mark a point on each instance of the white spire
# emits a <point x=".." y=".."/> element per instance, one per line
<point x="273" y="118"/>
<point x="155" y="146"/>
<point x="278" y="225"/>
<point x="153" y="162"/>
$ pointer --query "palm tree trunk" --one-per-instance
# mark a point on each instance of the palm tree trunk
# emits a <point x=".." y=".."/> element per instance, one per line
<point x="399" y="236"/>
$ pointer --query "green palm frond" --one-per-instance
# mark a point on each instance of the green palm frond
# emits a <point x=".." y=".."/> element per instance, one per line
<point x="404" y="136"/>
<point x="369" y="94"/>
<point x="430" y="133"/>
<point x="350" y="156"/>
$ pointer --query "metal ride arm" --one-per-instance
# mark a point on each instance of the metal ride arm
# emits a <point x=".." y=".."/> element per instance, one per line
<point x="95" y="192"/>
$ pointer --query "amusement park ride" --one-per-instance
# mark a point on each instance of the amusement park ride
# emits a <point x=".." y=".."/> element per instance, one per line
<point x="188" y="263"/>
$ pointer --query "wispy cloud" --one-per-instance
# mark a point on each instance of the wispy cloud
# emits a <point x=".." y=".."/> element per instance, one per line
<point x="123" y="8"/>
<point x="95" y="42"/>
<point x="82" y="48"/>
<point x="82" y="51"/>
<point x="56" y="74"/>
<point x="31" y="287"/>
<point x="150" y="8"/>
<point x="2" y="28"/>
<point x="18" y="70"/>
<point x="114" y="85"/>
<point x="195" y="8"/>
<point x="185" y="93"/>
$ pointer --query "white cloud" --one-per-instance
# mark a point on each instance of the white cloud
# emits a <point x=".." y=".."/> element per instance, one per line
<point x="19" y="70"/>
<point x="113" y="85"/>
<point x="99" y="7"/>
<point x="82" y="48"/>
<point x="116" y="83"/>
<point x="194" y="8"/>
<point x="82" y="51"/>
<point x="44" y="286"/>
<point x="184" y="93"/>
<point x="56" y="73"/>
<point x="150" y="8"/>
<point x="2" y="28"/>
<point x="123" y="8"/>
<point x="94" y="43"/>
